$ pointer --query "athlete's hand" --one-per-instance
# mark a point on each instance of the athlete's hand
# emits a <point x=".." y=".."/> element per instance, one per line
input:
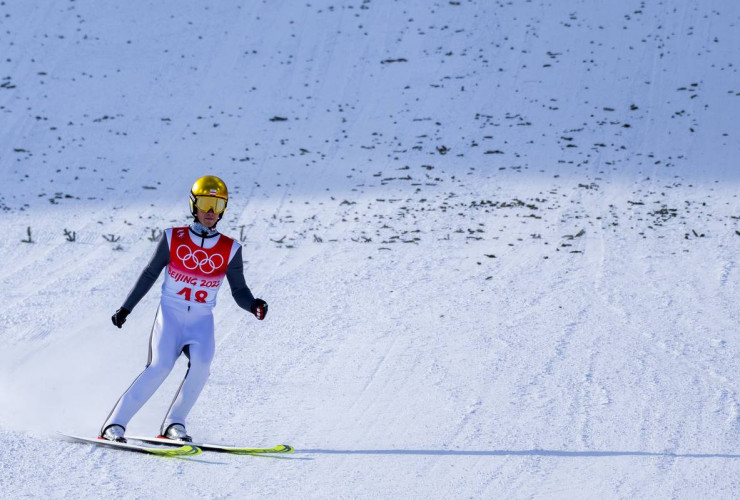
<point x="120" y="317"/>
<point x="259" y="309"/>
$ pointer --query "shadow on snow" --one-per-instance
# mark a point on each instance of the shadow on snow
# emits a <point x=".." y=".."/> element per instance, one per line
<point x="521" y="453"/>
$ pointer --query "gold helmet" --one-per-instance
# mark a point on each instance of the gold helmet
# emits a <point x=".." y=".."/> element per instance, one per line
<point x="209" y="193"/>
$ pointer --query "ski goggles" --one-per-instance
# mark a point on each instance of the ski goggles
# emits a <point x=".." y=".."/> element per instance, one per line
<point x="209" y="203"/>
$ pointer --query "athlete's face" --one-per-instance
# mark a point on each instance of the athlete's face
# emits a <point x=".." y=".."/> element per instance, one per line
<point x="208" y="219"/>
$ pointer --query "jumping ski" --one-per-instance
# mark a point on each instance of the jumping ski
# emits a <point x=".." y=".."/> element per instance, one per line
<point x="185" y="450"/>
<point x="236" y="450"/>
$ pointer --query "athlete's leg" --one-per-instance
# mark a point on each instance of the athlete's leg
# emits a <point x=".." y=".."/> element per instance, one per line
<point x="164" y="348"/>
<point x="200" y="352"/>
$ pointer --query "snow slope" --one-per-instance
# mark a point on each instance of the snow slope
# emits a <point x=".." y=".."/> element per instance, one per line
<point x="499" y="241"/>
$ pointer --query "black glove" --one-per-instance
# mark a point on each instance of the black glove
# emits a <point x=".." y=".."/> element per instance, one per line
<point x="120" y="317"/>
<point x="259" y="309"/>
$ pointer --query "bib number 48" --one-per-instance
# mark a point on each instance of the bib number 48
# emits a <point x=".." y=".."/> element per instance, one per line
<point x="187" y="293"/>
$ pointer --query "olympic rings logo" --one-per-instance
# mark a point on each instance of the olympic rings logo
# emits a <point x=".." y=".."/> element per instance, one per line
<point x="199" y="259"/>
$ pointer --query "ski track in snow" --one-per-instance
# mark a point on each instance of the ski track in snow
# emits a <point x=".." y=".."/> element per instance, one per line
<point x="499" y="242"/>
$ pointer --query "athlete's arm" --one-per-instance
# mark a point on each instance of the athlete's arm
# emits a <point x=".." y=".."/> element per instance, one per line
<point x="149" y="275"/>
<point x="239" y="289"/>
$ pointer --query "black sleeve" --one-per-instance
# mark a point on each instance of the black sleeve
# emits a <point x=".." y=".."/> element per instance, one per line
<point x="239" y="289"/>
<point x="149" y="275"/>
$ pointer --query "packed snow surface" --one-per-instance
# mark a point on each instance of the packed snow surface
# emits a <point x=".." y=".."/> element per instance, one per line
<point x="499" y="241"/>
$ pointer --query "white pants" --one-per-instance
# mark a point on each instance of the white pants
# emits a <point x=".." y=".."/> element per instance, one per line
<point x="178" y="328"/>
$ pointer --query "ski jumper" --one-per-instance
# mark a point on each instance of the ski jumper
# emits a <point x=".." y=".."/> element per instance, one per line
<point x="197" y="261"/>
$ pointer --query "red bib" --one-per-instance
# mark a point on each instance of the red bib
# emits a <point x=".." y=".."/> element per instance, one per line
<point x="195" y="274"/>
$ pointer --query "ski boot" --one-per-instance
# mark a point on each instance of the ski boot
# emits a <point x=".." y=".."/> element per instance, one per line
<point x="113" y="433"/>
<point x="177" y="432"/>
